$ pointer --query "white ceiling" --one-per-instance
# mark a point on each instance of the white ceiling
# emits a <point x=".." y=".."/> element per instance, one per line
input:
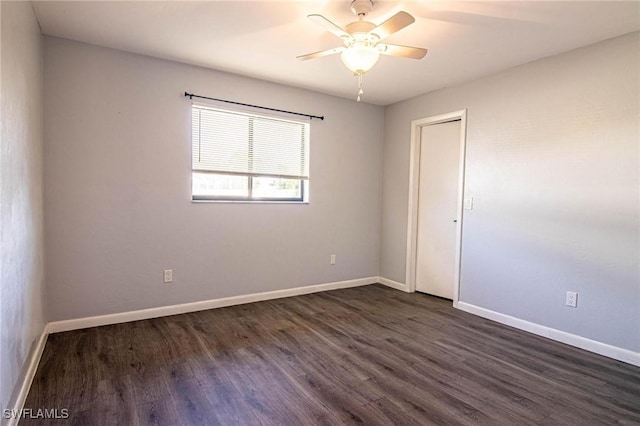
<point x="466" y="39"/>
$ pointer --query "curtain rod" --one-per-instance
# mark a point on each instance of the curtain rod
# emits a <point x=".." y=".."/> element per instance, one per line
<point x="191" y="96"/>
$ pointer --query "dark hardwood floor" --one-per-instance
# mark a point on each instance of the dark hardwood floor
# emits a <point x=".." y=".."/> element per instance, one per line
<point x="368" y="355"/>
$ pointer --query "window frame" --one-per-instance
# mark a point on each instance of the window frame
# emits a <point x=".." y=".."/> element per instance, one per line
<point x="304" y="183"/>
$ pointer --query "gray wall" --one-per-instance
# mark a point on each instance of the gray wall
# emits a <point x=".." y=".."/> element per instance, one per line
<point x="22" y="317"/>
<point x="552" y="164"/>
<point x="118" y="198"/>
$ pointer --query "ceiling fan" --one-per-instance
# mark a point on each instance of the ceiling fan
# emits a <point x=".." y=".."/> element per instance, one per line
<point x="361" y="39"/>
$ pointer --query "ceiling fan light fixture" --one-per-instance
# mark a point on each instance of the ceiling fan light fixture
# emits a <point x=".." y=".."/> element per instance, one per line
<point x="361" y="38"/>
<point x="360" y="58"/>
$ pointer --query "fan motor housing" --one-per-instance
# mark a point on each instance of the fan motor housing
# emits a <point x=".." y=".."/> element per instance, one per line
<point x="359" y="27"/>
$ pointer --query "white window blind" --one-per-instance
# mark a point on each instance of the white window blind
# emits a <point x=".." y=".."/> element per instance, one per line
<point x="239" y="143"/>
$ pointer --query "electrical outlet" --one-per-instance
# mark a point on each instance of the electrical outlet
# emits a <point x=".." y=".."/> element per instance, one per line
<point x="168" y="275"/>
<point x="572" y="299"/>
<point x="332" y="259"/>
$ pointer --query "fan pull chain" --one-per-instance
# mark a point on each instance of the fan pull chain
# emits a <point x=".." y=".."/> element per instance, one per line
<point x="360" y="91"/>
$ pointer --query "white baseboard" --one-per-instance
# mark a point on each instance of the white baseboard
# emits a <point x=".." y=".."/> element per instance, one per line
<point x="393" y="284"/>
<point x="34" y="360"/>
<point x="610" y="351"/>
<point x="76" y="324"/>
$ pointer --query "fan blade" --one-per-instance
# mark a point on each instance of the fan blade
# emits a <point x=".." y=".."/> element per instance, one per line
<point x="404" y="51"/>
<point x="321" y="53"/>
<point x="329" y="26"/>
<point x="392" y="25"/>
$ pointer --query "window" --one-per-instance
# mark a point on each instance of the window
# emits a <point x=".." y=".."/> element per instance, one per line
<point x="248" y="157"/>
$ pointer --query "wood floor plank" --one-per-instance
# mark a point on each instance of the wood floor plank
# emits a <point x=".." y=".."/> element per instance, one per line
<point x="162" y="412"/>
<point x="368" y="355"/>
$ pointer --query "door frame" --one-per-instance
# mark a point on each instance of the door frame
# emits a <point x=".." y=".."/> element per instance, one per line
<point x="414" y="180"/>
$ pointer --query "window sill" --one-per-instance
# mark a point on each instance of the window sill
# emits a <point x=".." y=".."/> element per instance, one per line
<point x="248" y="202"/>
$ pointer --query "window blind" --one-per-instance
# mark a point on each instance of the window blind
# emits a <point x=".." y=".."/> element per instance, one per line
<point x="239" y="143"/>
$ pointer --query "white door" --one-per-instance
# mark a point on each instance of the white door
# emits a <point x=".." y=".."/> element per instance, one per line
<point x="437" y="208"/>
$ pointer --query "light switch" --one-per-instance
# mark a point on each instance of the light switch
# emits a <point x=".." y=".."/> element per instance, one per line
<point x="468" y="203"/>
